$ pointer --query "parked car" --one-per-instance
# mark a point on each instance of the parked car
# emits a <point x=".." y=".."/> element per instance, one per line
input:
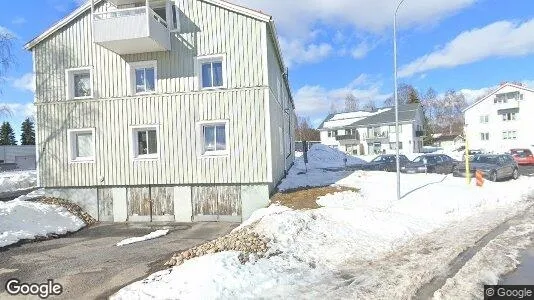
<point x="472" y="154"/>
<point x="522" y="156"/>
<point x="431" y="163"/>
<point x="386" y="163"/>
<point x="494" y="167"/>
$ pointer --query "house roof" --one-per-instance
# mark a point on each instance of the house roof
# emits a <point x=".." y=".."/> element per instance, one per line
<point x="496" y="91"/>
<point x="386" y="115"/>
<point x="87" y="6"/>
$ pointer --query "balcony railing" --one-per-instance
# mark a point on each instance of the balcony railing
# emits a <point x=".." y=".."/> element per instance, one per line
<point x="131" y="30"/>
<point x="377" y="135"/>
<point x="348" y="137"/>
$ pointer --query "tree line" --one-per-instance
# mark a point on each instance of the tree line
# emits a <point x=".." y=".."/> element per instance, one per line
<point x="27" y="136"/>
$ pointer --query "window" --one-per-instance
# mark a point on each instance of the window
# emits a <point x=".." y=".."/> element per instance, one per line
<point x="214" y="138"/>
<point x="393" y="146"/>
<point x="212" y="72"/>
<point x="509" y="135"/>
<point x="79" y="83"/>
<point x="392" y="128"/>
<point x="484" y="119"/>
<point x="143" y="76"/>
<point x="82" y="145"/>
<point x="484" y="136"/>
<point x="509" y="116"/>
<point x="145" y="142"/>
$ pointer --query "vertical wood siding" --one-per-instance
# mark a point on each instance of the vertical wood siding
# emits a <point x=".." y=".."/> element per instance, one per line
<point x="177" y="118"/>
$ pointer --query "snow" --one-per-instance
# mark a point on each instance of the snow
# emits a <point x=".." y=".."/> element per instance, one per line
<point x="362" y="244"/>
<point x="21" y="219"/>
<point x="17" y="180"/>
<point x="150" y="236"/>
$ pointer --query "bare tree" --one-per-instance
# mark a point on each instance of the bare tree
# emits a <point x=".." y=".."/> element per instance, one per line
<point x="304" y="132"/>
<point x="6" y="56"/>
<point x="407" y="94"/>
<point x="5" y="111"/>
<point x="333" y="108"/>
<point x="449" y="117"/>
<point x="351" y="103"/>
<point x="370" y="105"/>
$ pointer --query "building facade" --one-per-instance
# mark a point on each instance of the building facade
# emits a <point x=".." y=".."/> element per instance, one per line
<point x="501" y="121"/>
<point x="374" y="132"/>
<point x="163" y="110"/>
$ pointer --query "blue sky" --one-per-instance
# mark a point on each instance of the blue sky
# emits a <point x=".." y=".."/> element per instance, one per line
<point x="337" y="47"/>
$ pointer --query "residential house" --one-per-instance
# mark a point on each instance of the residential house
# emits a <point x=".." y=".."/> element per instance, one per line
<point x="448" y="141"/>
<point x="373" y="132"/>
<point x="501" y="121"/>
<point x="163" y="110"/>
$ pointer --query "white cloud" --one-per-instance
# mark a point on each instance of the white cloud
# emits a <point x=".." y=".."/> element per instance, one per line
<point x="361" y="50"/>
<point x="314" y="101"/>
<point x="26" y="82"/>
<point x="471" y="95"/>
<point x="19" y="110"/>
<point x="499" y="39"/>
<point x="297" y="51"/>
<point x="5" y="31"/>
<point x="18" y="21"/>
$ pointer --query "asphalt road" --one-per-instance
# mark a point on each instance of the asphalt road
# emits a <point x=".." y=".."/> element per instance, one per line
<point x="527" y="170"/>
<point x="88" y="264"/>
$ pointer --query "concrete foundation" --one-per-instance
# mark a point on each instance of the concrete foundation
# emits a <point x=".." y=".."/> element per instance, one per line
<point x="87" y="199"/>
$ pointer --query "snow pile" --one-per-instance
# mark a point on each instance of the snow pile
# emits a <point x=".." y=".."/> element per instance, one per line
<point x="150" y="236"/>
<point x="313" y="250"/>
<point x="16" y="181"/>
<point x="323" y="157"/>
<point x="27" y="220"/>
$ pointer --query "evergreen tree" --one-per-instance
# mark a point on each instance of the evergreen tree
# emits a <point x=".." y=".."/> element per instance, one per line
<point x="7" y="135"/>
<point x="28" y="133"/>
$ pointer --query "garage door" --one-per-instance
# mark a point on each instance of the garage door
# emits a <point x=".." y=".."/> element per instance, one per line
<point x="25" y="162"/>
<point x="147" y="204"/>
<point x="217" y="203"/>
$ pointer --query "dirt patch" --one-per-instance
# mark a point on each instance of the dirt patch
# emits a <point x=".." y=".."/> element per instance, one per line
<point x="306" y="198"/>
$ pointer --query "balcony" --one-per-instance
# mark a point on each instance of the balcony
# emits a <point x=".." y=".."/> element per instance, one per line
<point x="371" y="137"/>
<point x="348" y="138"/>
<point x="419" y="133"/>
<point x="131" y="30"/>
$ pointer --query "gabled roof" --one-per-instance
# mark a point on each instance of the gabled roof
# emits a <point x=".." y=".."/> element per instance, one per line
<point x="386" y="115"/>
<point x="496" y="91"/>
<point x="87" y="6"/>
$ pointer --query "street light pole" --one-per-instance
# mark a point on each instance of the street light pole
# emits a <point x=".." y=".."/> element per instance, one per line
<point x="396" y="97"/>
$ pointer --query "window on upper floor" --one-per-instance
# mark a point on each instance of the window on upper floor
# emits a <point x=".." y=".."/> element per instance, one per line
<point x="484" y="119"/>
<point x="143" y="77"/>
<point x="509" y="116"/>
<point x="212" y="72"/>
<point x="484" y="136"/>
<point x="145" y="142"/>
<point x="79" y="83"/>
<point x="509" y="135"/>
<point x="332" y="133"/>
<point x="82" y="145"/>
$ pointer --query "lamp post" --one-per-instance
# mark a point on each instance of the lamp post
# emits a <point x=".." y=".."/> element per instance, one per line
<point x="396" y="96"/>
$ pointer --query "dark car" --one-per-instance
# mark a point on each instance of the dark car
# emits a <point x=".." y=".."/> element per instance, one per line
<point x="431" y="163"/>
<point x="386" y="163"/>
<point x="494" y="167"/>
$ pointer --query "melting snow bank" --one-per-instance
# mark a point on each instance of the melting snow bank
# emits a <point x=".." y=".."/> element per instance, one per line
<point x="27" y="220"/>
<point x="152" y="235"/>
<point x="17" y="181"/>
<point x="358" y="245"/>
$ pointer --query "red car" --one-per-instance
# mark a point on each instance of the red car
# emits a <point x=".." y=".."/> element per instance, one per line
<point x="523" y="156"/>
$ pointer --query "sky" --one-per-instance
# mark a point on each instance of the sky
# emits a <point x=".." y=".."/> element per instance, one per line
<point x="336" y="47"/>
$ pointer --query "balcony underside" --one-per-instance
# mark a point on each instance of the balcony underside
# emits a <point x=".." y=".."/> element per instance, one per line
<point x="133" y="46"/>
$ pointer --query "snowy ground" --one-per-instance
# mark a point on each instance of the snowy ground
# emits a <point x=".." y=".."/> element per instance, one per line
<point x="150" y="236"/>
<point x="358" y="245"/>
<point x="17" y="180"/>
<point x="21" y="219"/>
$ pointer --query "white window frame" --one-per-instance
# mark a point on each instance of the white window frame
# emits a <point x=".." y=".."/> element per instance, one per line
<point x="200" y="134"/>
<point x="134" y="142"/>
<point x="210" y="59"/>
<point x="71" y="133"/>
<point x="132" y="66"/>
<point x="69" y="80"/>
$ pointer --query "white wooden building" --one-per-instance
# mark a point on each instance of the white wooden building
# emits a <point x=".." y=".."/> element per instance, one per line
<point x="163" y="110"/>
<point x="502" y="120"/>
<point x="373" y="132"/>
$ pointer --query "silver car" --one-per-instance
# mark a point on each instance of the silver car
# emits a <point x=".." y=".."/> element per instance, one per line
<point x="494" y="167"/>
